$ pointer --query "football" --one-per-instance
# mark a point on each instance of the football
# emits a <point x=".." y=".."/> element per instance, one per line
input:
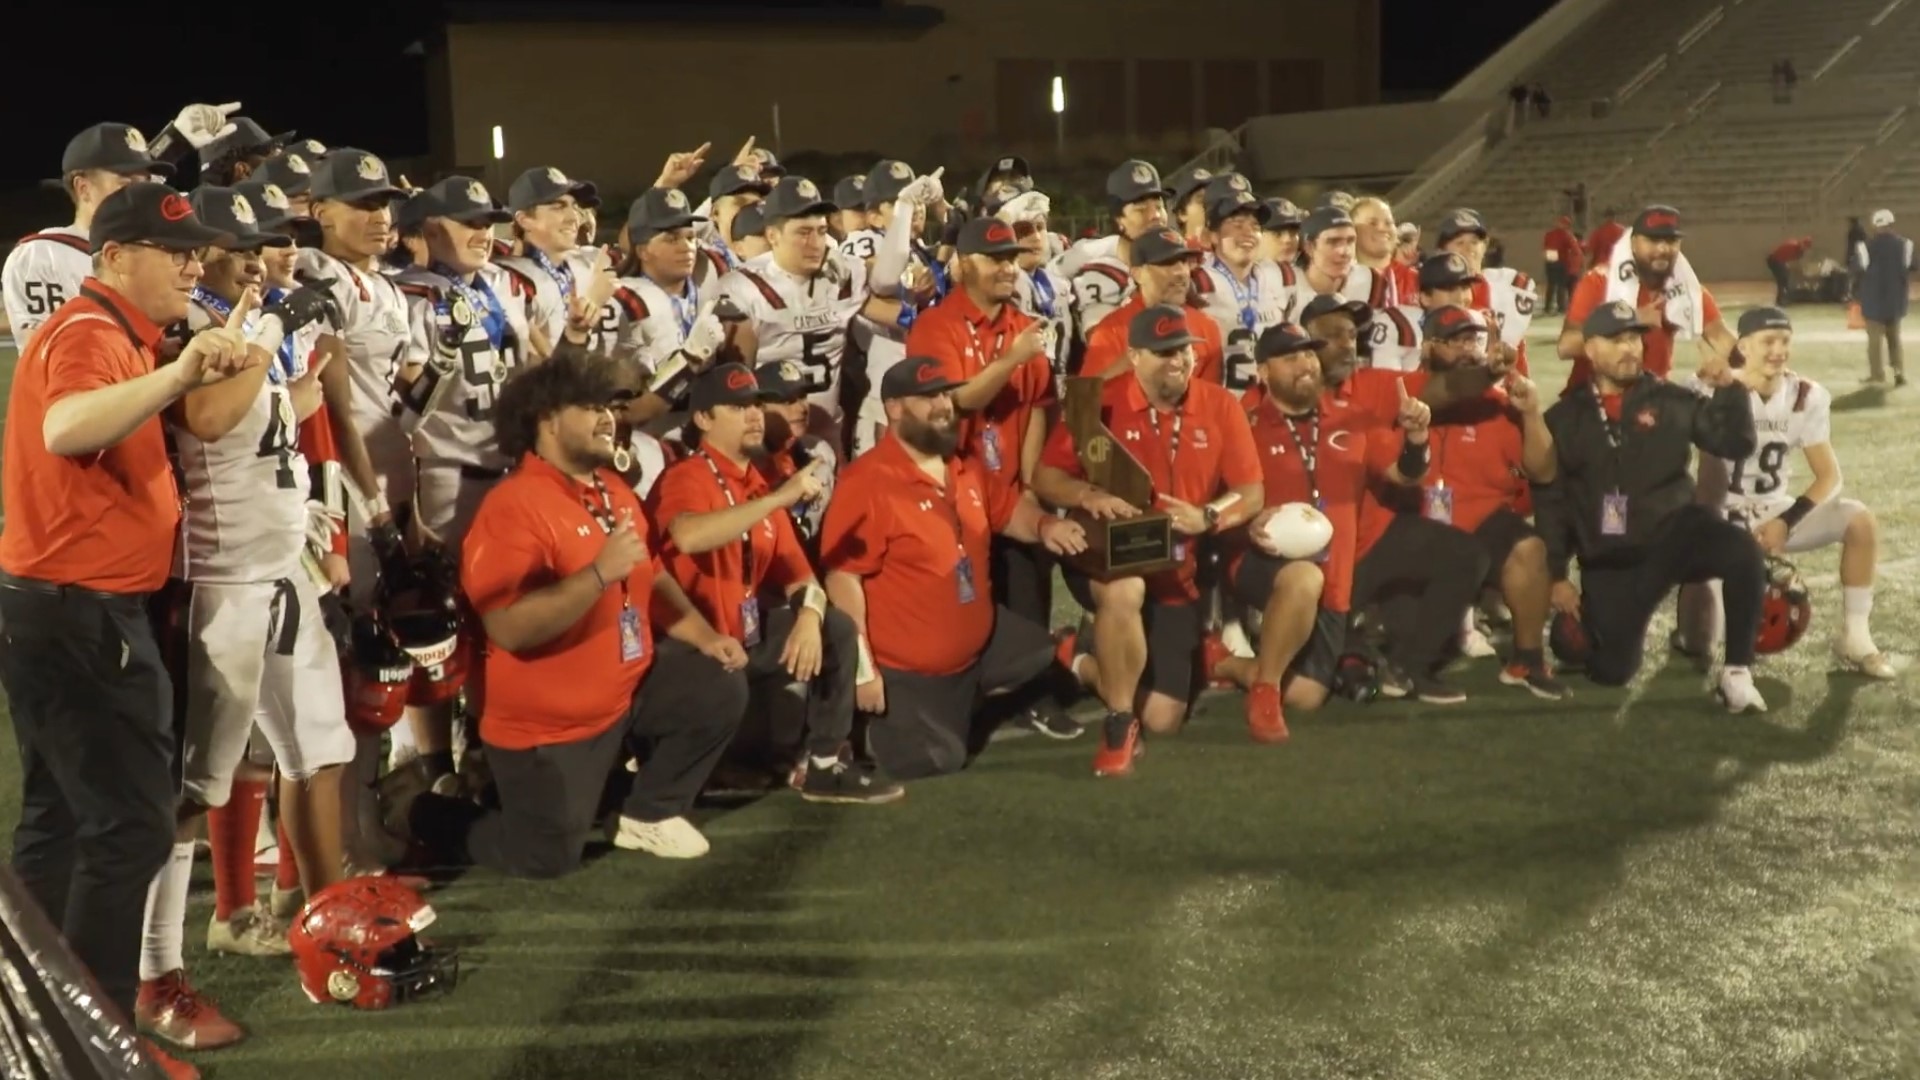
<point x="1297" y="531"/>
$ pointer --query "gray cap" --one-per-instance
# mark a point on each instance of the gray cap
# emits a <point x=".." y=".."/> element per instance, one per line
<point x="659" y="210"/>
<point x="1133" y="181"/>
<point x="350" y="175"/>
<point x="544" y="184"/>
<point x="231" y="212"/>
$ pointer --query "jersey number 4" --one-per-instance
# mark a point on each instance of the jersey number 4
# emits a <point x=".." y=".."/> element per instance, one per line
<point x="1766" y="478"/>
<point x="277" y="442"/>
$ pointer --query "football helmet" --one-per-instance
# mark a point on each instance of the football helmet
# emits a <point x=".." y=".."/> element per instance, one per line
<point x="418" y="597"/>
<point x="356" y="943"/>
<point x="1572" y="646"/>
<point x="1785" y="609"/>
<point x="377" y="672"/>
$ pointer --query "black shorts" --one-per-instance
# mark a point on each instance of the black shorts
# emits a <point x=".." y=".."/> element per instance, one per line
<point x="1173" y="639"/>
<point x="1317" y="659"/>
<point x="1499" y="535"/>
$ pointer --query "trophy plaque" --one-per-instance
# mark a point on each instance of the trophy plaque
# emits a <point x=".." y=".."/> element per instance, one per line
<point x="1122" y="547"/>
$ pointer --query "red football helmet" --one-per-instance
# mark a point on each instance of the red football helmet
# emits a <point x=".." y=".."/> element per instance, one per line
<point x="355" y="943"/>
<point x="376" y="671"/>
<point x="418" y="597"/>
<point x="1785" y="609"/>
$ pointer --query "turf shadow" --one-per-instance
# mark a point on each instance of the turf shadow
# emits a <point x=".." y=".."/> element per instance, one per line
<point x="1866" y="397"/>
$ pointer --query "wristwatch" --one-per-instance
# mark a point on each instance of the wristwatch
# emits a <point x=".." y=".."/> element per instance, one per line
<point x="1212" y="515"/>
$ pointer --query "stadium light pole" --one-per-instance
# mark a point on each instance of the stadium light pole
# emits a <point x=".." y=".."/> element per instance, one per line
<point x="1059" y="119"/>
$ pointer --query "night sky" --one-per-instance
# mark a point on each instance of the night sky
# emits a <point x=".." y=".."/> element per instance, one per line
<point x="285" y="63"/>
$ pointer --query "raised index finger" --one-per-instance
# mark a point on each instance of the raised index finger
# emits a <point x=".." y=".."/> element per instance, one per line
<point x="1401" y="385"/>
<point x="243" y="308"/>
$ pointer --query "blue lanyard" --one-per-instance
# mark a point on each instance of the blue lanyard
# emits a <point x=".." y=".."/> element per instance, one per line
<point x="1042" y="292"/>
<point x="288" y="362"/>
<point x="282" y="370"/>
<point x="940" y="286"/>
<point x="726" y="255"/>
<point x="686" y="307"/>
<point x="480" y="295"/>
<point x="562" y="274"/>
<point x="1248" y="298"/>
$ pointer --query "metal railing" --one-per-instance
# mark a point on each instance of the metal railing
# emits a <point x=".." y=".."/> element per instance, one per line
<point x="1700" y="29"/>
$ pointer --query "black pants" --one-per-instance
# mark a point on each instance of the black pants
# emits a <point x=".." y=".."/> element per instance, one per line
<point x="935" y="724"/>
<point x="1556" y="287"/>
<point x="1422" y="576"/>
<point x="92" y="709"/>
<point x="681" y="720"/>
<point x="1617" y="602"/>
<point x="830" y="695"/>
<point x="1023" y="580"/>
<point x="1781" y="284"/>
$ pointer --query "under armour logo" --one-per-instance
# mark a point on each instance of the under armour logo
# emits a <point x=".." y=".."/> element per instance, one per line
<point x="1133" y="436"/>
<point x="584" y="530"/>
<point x="926" y="504"/>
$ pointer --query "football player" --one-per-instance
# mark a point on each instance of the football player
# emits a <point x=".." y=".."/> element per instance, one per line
<point x="898" y="265"/>
<point x="1040" y="291"/>
<point x="1280" y="236"/>
<point x="1188" y="206"/>
<point x="1376" y="245"/>
<point x="236" y="154"/>
<point x="1394" y="336"/>
<point x="546" y="209"/>
<point x="850" y="196"/>
<point x="789" y="448"/>
<point x="664" y="320"/>
<point x="1100" y="269"/>
<point x="1502" y="290"/>
<point x="1241" y="292"/>
<point x="1330" y="238"/>
<point x="1790" y="412"/>
<point x="733" y="189"/>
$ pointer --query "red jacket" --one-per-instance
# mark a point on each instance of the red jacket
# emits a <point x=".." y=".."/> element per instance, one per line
<point x="1601" y="240"/>
<point x="1561" y="241"/>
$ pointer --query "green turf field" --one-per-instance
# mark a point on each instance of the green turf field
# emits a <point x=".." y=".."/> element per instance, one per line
<point x="1633" y="886"/>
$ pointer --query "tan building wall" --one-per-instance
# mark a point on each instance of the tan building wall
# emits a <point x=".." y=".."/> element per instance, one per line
<point x="608" y="100"/>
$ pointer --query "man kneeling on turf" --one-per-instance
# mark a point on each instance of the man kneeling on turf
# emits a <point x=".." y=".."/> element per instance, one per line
<point x="1318" y="450"/>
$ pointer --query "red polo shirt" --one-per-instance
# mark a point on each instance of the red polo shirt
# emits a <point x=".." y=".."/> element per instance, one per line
<point x="893" y="526"/>
<point x="720" y="581"/>
<point x="1108" y="341"/>
<point x="536" y="527"/>
<point x="1474" y="452"/>
<point x="961" y="336"/>
<point x="1658" y="357"/>
<point x="1352" y="454"/>
<point x="1194" y="453"/>
<point x="108" y="520"/>
<point x="1792" y="250"/>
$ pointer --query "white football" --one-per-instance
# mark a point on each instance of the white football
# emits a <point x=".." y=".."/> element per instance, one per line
<point x="1298" y="531"/>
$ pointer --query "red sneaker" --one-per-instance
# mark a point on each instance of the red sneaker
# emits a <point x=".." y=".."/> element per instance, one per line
<point x="1119" y="745"/>
<point x="1212" y="651"/>
<point x="170" y="1008"/>
<point x="1063" y="645"/>
<point x="1265" y="722"/>
<point x="170" y="1067"/>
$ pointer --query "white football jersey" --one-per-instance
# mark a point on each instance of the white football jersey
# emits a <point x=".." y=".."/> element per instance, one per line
<point x="1374" y="290"/>
<point x="650" y="323"/>
<point x="1046" y="296"/>
<point x="1798" y="415"/>
<point x="1243" y="309"/>
<point x="1100" y="286"/>
<point x="549" y="288"/>
<point x="862" y="244"/>
<point x="1393" y="338"/>
<point x="377" y="336"/>
<point x="1510" y="296"/>
<point x="245" y="493"/>
<point x="802" y="320"/>
<point x="42" y="272"/>
<point x="457" y="427"/>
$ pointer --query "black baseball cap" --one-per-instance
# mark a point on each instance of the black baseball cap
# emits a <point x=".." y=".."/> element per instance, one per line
<point x="1002" y="192"/>
<point x="990" y="236"/>
<point x="724" y="384"/>
<point x="1133" y="181"/>
<point x="311" y="149"/>
<point x="544" y="184"/>
<point x="115" y="148"/>
<point x="734" y="179"/>
<point x="1449" y="321"/>
<point x="750" y="221"/>
<point x="659" y="210"/>
<point x="1445" y="271"/>
<point x="1612" y="320"/>
<point x="292" y="172"/>
<point x="1323" y="219"/>
<point x="1188" y="181"/>
<point x="1011" y="168"/>
<point x="1335" y="199"/>
<point x="1159" y="248"/>
<point x="410" y="214"/>
<point x="886" y="181"/>
<point x="850" y="193"/>
<point x="781" y="380"/>
<point x="465" y="200"/>
<point x="269" y="201"/>
<point x="1460" y="222"/>
<point x="1754" y="320"/>
<point x="149" y="212"/>
<point x="228" y="210"/>
<point x="916" y="376"/>
<point x="350" y="175"/>
<point x="1225" y="203"/>
<point x="1160" y="328"/>
<point x="1328" y="303"/>
<point x="770" y="167"/>
<point x="796" y="196"/>
<point x="1658" y="222"/>
<point x="1285" y="215"/>
<point x="1282" y="340"/>
<point x="247" y="137"/>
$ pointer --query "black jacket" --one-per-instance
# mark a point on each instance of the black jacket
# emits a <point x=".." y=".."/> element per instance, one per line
<point x="1660" y="424"/>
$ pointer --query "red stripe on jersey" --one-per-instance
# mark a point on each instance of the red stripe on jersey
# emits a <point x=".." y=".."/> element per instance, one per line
<point x="518" y="282"/>
<point x="1202" y="281"/>
<point x="1287" y="274"/>
<point x="1522" y="281"/>
<point x="631" y="303"/>
<point x="1118" y="276"/>
<point x="1800" y="398"/>
<point x="1377" y="295"/>
<point x="412" y="288"/>
<point x="774" y="299"/>
<point x="77" y="243"/>
<point x="1409" y="334"/>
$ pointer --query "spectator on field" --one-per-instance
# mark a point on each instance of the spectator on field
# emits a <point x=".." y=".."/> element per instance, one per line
<point x="1604" y="235"/>
<point x="1565" y="259"/>
<point x="1883" y="297"/>
<point x="1856" y="256"/>
<point x="1780" y="263"/>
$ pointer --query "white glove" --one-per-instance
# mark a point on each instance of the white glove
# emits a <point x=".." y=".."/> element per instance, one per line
<point x="201" y="124"/>
<point x="1029" y="206"/>
<point x="925" y="190"/>
<point x="322" y="527"/>
<point x="705" y="337"/>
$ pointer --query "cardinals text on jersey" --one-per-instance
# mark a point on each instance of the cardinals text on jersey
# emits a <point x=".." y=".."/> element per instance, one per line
<point x="802" y="320"/>
<point x="474" y="336"/>
<point x="42" y="272"/>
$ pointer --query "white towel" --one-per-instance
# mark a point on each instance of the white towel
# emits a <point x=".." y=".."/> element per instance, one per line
<point x="1685" y="309"/>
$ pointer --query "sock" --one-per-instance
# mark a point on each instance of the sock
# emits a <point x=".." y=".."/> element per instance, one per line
<point x="268" y="836"/>
<point x="1857" y="603"/>
<point x="1529" y="658"/>
<point x="163" y="940"/>
<point x="438" y="762"/>
<point x="231" y="832"/>
<point x="401" y="747"/>
<point x="286" y="876"/>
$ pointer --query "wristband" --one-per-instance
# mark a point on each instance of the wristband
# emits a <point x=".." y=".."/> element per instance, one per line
<point x="268" y="335"/>
<point x="1413" y="460"/>
<point x="811" y="597"/>
<point x="597" y="577"/>
<point x="1801" y="507"/>
<point x="864" y="672"/>
<point x="1218" y="507"/>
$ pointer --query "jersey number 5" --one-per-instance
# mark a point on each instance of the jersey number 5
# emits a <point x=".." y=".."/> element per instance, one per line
<point x="1767" y="467"/>
<point x="819" y="368"/>
<point x="485" y="370"/>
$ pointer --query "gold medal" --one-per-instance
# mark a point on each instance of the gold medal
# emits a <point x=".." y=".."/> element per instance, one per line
<point x="460" y="312"/>
<point x="499" y="368"/>
<point x="622" y="460"/>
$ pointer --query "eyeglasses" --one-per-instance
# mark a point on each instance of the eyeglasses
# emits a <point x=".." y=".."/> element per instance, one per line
<point x="179" y="258"/>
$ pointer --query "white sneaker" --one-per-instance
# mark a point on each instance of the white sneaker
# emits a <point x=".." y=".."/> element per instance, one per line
<point x="285" y="904"/>
<point x="1736" y="691"/>
<point x="674" y="838"/>
<point x="1475" y="646"/>
<point x="1234" y="637"/>
<point x="1862" y="658"/>
<point x="251" y="932"/>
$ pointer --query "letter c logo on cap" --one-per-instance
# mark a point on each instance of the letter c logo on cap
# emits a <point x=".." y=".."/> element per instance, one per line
<point x="1167" y="326"/>
<point x="999" y="233"/>
<point x="927" y="373"/>
<point x="1662" y="221"/>
<point x="176" y="208"/>
<point x="741" y="380"/>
